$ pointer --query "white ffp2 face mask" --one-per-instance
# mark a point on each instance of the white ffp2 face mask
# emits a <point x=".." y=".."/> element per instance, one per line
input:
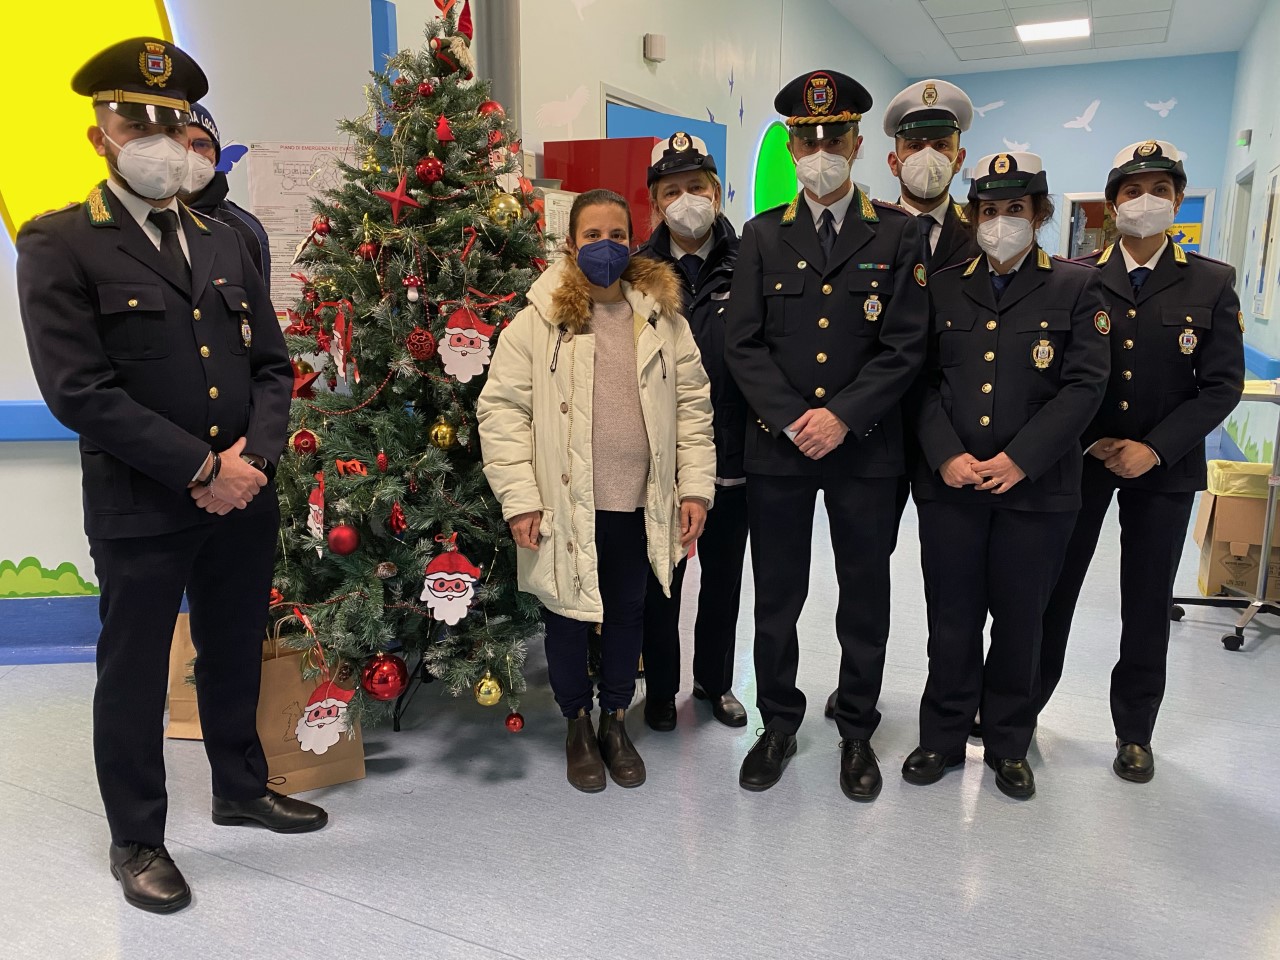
<point x="1145" y="216"/>
<point x="690" y="215"/>
<point x="927" y="173"/>
<point x="1003" y="238"/>
<point x="199" y="173"/>
<point x="822" y="173"/>
<point x="154" y="167"/>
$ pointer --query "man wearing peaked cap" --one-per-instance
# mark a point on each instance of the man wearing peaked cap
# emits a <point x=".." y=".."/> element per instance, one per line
<point x="826" y="332"/>
<point x="151" y="336"/>
<point x="1177" y="370"/>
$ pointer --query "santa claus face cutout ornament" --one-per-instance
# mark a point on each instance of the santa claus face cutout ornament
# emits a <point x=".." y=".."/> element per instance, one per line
<point x="450" y="584"/>
<point x="325" y="718"/>
<point x="468" y="342"/>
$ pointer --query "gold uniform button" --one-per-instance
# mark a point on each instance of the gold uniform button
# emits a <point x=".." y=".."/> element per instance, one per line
<point x="802" y="264"/>
<point x="986" y="388"/>
<point x="989" y="356"/>
<point x="984" y="421"/>
<point x="875" y="284"/>
<point x="826" y="288"/>
<point x="1189" y="320"/>
<point x="777" y="286"/>
<point x="824" y="323"/>
<point x="1124" y="404"/>
<point x="213" y="393"/>
<point x="822" y="358"/>
<point x="1131" y="314"/>
<point x="1128" y="374"/>
<point x="991" y="324"/>
<point x="820" y="392"/>
<point x="133" y="303"/>
<point x="1128" y="344"/>
<point x="204" y="351"/>
<point x="1044" y="324"/>
<point x="244" y="305"/>
<point x="948" y="323"/>
<point x="195" y="314"/>
<point x="213" y="431"/>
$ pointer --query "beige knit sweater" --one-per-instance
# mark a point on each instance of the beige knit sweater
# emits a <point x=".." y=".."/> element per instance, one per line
<point x="619" y="443"/>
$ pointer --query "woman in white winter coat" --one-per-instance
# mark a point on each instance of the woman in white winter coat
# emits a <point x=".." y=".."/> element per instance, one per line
<point x="595" y="423"/>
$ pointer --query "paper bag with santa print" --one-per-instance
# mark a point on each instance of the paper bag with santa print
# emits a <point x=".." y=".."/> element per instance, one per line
<point x="303" y="726"/>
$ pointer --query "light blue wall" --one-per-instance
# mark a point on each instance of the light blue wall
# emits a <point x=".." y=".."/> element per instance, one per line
<point x="1038" y="102"/>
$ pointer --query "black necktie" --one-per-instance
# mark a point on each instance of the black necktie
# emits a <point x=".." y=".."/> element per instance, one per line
<point x="926" y="231"/>
<point x="1000" y="283"/>
<point x="170" y="248"/>
<point x="827" y="232"/>
<point x="690" y="264"/>
<point x="1137" y="277"/>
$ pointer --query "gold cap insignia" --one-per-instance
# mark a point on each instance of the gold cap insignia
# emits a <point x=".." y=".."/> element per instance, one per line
<point x="819" y="94"/>
<point x="930" y="95"/>
<point x="155" y="65"/>
<point x="1001" y="164"/>
<point x="680" y="141"/>
<point x="1147" y="149"/>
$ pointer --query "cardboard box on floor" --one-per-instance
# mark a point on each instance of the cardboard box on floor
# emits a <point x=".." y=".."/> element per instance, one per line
<point x="1229" y="533"/>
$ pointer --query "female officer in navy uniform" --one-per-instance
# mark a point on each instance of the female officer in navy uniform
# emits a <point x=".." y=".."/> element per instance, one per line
<point x="1177" y="370"/>
<point x="1016" y="368"/>
<point x="696" y="238"/>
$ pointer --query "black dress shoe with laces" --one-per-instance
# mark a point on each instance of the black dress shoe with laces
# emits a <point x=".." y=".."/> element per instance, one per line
<point x="276" y="812"/>
<point x="660" y="714"/>
<point x="829" y="711"/>
<point x="924" y="767"/>
<point x="1013" y="777"/>
<point x="726" y="708"/>
<point x="765" y="761"/>
<point x="1134" y="762"/>
<point x="859" y="771"/>
<point x="149" y="878"/>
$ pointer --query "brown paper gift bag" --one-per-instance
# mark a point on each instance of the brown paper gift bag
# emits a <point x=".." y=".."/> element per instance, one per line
<point x="184" y="716"/>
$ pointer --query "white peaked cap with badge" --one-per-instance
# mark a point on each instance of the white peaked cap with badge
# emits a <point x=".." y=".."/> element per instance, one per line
<point x="1004" y="176"/>
<point x="928" y="104"/>
<point x="1136" y="153"/>
<point x="1146" y="156"/>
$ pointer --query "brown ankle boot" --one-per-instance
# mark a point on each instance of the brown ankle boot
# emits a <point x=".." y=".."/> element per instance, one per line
<point x="619" y="752"/>
<point x="585" y="768"/>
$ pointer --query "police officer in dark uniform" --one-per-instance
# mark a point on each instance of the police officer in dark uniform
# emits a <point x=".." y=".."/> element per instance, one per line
<point x="1177" y="370"/>
<point x="152" y="337"/>
<point x="206" y="191"/>
<point x="826" y="332"/>
<point x="696" y="238"/>
<point x="1017" y="365"/>
<point x="926" y="121"/>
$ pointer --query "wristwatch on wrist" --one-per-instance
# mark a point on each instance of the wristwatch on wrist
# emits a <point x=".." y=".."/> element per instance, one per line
<point x="260" y="463"/>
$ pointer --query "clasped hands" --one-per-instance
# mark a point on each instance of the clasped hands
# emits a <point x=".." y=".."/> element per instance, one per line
<point x="237" y="483"/>
<point x="999" y="474"/>
<point x="818" y="432"/>
<point x="1124" y="458"/>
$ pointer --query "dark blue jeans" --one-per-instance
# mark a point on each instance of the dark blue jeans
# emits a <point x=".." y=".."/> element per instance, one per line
<point x="623" y="564"/>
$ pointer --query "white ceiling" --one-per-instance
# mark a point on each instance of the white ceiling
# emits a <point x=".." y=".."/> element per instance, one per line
<point x="941" y="37"/>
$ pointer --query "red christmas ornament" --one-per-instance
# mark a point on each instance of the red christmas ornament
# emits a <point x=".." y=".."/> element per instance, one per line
<point x="398" y="198"/>
<point x="413" y="484"/>
<point x="381" y="461"/>
<point x="515" y="722"/>
<point x="397" y="522"/>
<point x="429" y="170"/>
<point x="495" y="137"/>
<point x="276" y="598"/>
<point x="491" y="108"/>
<point x="323" y="340"/>
<point x="321" y="226"/>
<point x="310" y="296"/>
<point x="421" y="344"/>
<point x="367" y="251"/>
<point x="333" y="383"/>
<point x="427" y="88"/>
<point x="384" y="677"/>
<point x="344" y="539"/>
<point x="304" y="442"/>
<point x="303" y="379"/>
<point x="411" y="285"/>
<point x="444" y="133"/>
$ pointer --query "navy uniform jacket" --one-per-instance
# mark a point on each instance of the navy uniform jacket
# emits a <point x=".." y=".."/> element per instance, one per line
<point x="1177" y="362"/>
<point x="955" y="243"/>
<point x="212" y="204"/>
<point x="151" y="374"/>
<point x="848" y="335"/>
<point x="1024" y="377"/>
<point x="705" y="311"/>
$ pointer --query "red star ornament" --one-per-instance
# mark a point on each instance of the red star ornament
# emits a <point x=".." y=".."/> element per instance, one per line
<point x="302" y="382"/>
<point x="398" y="198"/>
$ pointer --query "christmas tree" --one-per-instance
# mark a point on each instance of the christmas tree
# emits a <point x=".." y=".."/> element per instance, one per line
<point x="393" y="550"/>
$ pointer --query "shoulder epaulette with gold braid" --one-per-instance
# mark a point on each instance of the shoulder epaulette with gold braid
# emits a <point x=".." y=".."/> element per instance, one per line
<point x="1179" y="255"/>
<point x="867" y="208"/>
<point x="1043" y="262"/>
<point x="789" y="215"/>
<point x="959" y="211"/>
<point x="95" y="205"/>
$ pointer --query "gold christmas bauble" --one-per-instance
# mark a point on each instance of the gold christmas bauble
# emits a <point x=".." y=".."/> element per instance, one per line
<point x="488" y="691"/>
<point x="442" y="435"/>
<point x="504" y="209"/>
<point x="304" y="367"/>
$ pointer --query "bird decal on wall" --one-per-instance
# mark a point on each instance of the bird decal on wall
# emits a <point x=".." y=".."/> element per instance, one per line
<point x="562" y="113"/>
<point x="1015" y="147"/>
<point x="1162" y="107"/>
<point x="232" y="154"/>
<point x="982" y="110"/>
<point x="1085" y="119"/>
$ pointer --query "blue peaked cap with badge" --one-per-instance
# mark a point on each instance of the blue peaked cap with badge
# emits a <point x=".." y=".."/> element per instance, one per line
<point x="679" y="153"/>
<point x="824" y="103"/>
<point x="144" y="79"/>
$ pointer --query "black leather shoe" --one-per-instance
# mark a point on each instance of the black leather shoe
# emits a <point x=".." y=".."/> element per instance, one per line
<point x="763" y="765"/>
<point x="830" y="710"/>
<point x="1013" y="777"/>
<point x="149" y="878"/>
<point x="726" y="708"/>
<point x="859" y="771"/>
<point x="276" y="812"/>
<point x="924" y="767"/>
<point x="1134" y="762"/>
<point x="660" y="714"/>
